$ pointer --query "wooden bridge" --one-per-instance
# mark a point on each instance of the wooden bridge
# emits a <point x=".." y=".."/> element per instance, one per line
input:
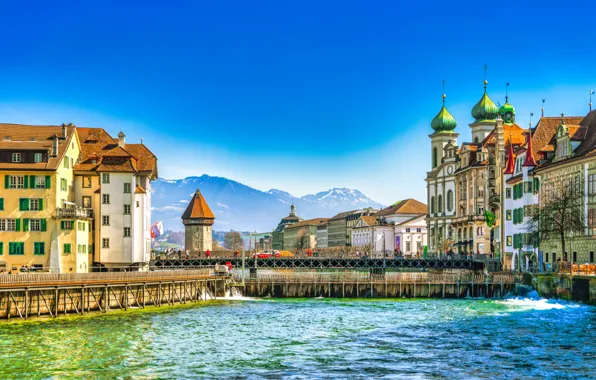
<point x="315" y="262"/>
<point x="36" y="294"/>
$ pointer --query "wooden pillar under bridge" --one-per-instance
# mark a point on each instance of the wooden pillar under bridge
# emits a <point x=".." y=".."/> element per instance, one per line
<point x="26" y="303"/>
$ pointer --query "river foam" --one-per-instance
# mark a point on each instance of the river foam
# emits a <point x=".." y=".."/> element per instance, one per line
<point x="522" y="304"/>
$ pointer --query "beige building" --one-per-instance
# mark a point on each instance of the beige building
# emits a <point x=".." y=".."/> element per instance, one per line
<point x="302" y="235"/>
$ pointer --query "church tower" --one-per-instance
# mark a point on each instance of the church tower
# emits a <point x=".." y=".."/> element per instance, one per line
<point x="198" y="220"/>
<point x="443" y="124"/>
<point x="485" y="113"/>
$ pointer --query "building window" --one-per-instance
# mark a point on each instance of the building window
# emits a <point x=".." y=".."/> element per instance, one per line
<point x="39" y="248"/>
<point x="419" y="230"/>
<point x="407" y="230"/>
<point x="126" y="209"/>
<point x="38" y="157"/>
<point x="546" y="257"/>
<point x="105" y="243"/>
<point x="86" y="182"/>
<point x="480" y="231"/>
<point x="35" y="204"/>
<point x="9" y="225"/>
<point x="63" y="184"/>
<point x="591" y="256"/>
<point x="40" y="182"/>
<point x="67" y="248"/>
<point x="508" y="193"/>
<point x="127" y="187"/>
<point x="105" y="220"/>
<point x="16" y="248"/>
<point x="105" y="199"/>
<point x="432" y="205"/>
<point x="16" y="182"/>
<point x="35" y="224"/>
<point x="508" y="214"/>
<point x="86" y="202"/>
<point x="137" y="203"/>
<point x="407" y="246"/>
<point x="105" y="177"/>
<point x="16" y="157"/>
<point x="435" y="158"/>
<point x="554" y="257"/>
<point x="66" y="225"/>
<point x="509" y="241"/>
<point x="574" y="257"/>
<point x="66" y="162"/>
<point x="449" y="200"/>
<point x="126" y="231"/>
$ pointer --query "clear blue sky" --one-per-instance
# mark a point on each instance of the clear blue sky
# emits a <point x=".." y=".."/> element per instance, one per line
<point x="296" y="95"/>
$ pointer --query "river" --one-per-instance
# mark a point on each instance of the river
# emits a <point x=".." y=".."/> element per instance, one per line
<point x="272" y="338"/>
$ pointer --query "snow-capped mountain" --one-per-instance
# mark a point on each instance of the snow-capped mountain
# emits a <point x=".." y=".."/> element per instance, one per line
<point x="240" y="207"/>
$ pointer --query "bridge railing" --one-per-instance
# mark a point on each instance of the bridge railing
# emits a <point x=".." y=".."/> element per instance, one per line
<point x="30" y="279"/>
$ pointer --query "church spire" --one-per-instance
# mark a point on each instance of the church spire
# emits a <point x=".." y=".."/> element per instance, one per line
<point x="510" y="168"/>
<point x="485" y="109"/>
<point x="444" y="121"/>
<point x="529" y="151"/>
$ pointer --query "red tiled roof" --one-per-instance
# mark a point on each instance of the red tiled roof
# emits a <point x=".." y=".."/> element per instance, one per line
<point x="308" y="222"/>
<point x="198" y="208"/>
<point x="20" y="137"/>
<point x="408" y="206"/>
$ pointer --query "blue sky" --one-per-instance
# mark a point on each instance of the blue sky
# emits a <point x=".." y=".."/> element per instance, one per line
<point x="299" y="96"/>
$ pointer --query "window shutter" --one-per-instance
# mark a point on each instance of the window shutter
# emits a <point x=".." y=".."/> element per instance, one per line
<point x="43" y="225"/>
<point x="25" y="225"/>
<point x="23" y="204"/>
<point x="1" y="204"/>
<point x="72" y="225"/>
<point x="25" y="183"/>
<point x="62" y="224"/>
<point x="32" y="182"/>
<point x="18" y="225"/>
<point x="48" y="181"/>
<point x="40" y="200"/>
<point x="6" y="181"/>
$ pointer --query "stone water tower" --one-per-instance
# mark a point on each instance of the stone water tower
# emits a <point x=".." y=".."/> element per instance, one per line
<point x="198" y="220"/>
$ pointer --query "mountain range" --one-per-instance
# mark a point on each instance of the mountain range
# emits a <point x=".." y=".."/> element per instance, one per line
<point x="242" y="208"/>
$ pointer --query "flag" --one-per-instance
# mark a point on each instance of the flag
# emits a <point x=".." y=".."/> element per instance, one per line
<point x="490" y="218"/>
<point x="156" y="229"/>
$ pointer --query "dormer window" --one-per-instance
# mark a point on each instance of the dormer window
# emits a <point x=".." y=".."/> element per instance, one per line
<point x="16" y="157"/>
<point x="38" y="157"/>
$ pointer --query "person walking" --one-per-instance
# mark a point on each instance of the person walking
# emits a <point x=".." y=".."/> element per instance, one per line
<point x="208" y="254"/>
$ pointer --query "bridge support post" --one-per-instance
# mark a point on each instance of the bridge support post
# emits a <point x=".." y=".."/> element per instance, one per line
<point x="253" y="273"/>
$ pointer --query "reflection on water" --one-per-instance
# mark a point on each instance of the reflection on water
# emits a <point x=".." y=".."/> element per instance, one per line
<point x="312" y="338"/>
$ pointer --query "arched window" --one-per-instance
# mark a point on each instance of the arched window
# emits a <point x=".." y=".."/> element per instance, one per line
<point x="432" y="205"/>
<point x="476" y="139"/>
<point x="465" y="234"/>
<point x="440" y="204"/>
<point x="435" y="157"/>
<point x="480" y="231"/>
<point x="450" y="200"/>
<point x="459" y="234"/>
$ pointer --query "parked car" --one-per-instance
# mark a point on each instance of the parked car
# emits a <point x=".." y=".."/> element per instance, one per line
<point x="266" y="254"/>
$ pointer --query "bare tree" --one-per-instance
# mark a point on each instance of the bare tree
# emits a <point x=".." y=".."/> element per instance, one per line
<point x="560" y="213"/>
<point x="445" y="245"/>
<point x="233" y="241"/>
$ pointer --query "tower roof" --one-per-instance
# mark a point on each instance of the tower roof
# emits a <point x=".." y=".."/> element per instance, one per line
<point x="444" y="121"/>
<point x="529" y="152"/>
<point x="510" y="168"/>
<point x="485" y="109"/>
<point x="198" y="208"/>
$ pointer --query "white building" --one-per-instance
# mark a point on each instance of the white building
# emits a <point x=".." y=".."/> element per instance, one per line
<point x="411" y="236"/>
<point x="373" y="237"/>
<point x="114" y="179"/>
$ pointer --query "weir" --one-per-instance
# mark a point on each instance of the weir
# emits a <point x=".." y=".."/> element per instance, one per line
<point x="26" y="295"/>
<point x="362" y="285"/>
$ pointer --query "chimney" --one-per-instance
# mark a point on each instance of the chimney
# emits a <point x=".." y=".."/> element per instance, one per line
<point x="121" y="139"/>
<point x="55" y="146"/>
<point x="64" y="131"/>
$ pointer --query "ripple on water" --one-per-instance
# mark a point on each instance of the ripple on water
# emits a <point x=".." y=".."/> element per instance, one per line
<point x="312" y="338"/>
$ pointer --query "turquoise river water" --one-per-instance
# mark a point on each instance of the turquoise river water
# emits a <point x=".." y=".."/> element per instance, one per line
<point x="311" y="338"/>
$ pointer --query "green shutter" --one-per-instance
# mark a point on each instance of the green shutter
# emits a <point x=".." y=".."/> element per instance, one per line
<point x="1" y="248"/>
<point x="40" y="200"/>
<point x="25" y="225"/>
<point x="66" y="248"/>
<point x="24" y="204"/>
<point x="32" y="182"/>
<point x="25" y="182"/>
<point x="43" y="224"/>
<point x="6" y="181"/>
<point x="18" y="225"/>
<point x="48" y="181"/>
<point x="10" y="248"/>
<point x="62" y="224"/>
<point x="1" y="204"/>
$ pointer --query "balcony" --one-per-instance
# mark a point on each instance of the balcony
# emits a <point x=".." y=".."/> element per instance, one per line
<point x="495" y="199"/>
<point x="74" y="213"/>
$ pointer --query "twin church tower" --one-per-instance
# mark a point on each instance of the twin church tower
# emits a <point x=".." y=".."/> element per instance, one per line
<point x="464" y="184"/>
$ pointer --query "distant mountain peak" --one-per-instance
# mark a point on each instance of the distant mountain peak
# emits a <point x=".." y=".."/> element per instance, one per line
<point x="243" y="208"/>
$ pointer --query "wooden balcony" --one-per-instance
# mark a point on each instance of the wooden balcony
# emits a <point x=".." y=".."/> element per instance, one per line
<point x="74" y="213"/>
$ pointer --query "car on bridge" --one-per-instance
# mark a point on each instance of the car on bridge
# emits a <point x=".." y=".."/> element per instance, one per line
<point x="266" y="254"/>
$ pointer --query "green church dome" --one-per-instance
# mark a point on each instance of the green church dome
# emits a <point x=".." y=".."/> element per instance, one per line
<point x="506" y="108"/>
<point x="443" y="121"/>
<point x="485" y="109"/>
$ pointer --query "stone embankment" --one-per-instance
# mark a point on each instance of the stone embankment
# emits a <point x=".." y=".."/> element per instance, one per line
<point x="579" y="288"/>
